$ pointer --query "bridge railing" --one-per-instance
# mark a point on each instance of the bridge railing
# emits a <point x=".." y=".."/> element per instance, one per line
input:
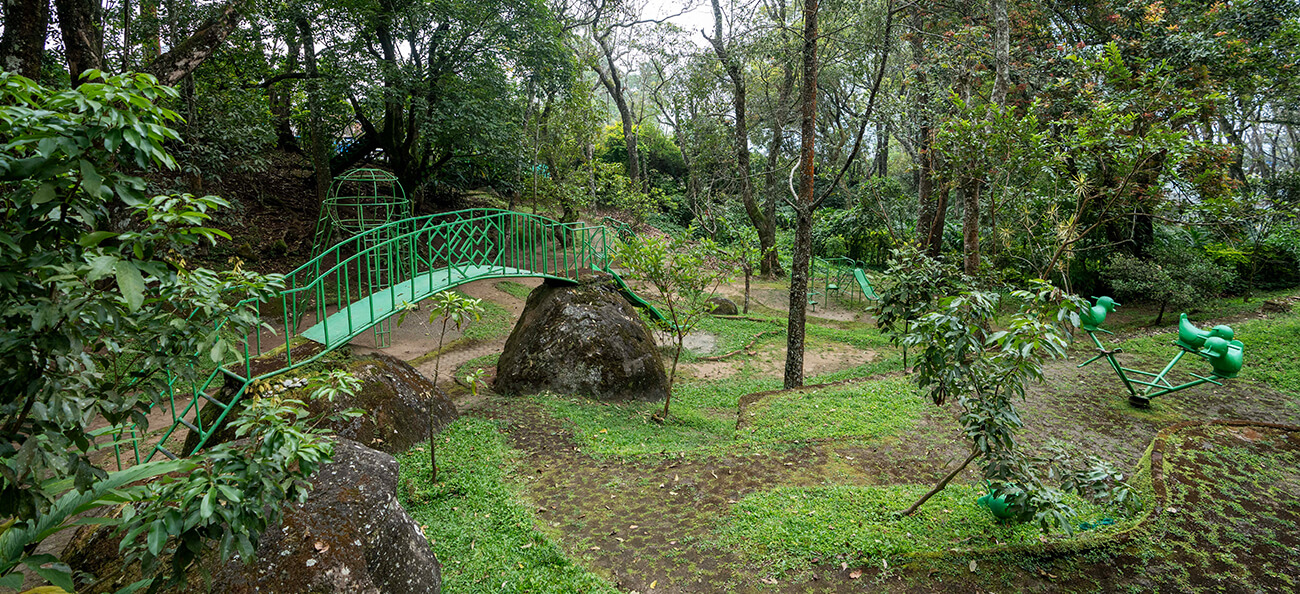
<point x="418" y="255"/>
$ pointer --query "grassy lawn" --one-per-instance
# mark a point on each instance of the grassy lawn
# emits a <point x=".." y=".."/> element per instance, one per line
<point x="480" y="528"/>
<point x="792" y="528"/>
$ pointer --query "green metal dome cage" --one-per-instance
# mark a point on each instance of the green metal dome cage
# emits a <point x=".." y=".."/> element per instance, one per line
<point x="364" y="200"/>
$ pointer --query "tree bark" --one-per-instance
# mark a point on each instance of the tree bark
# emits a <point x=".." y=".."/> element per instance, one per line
<point x="770" y="265"/>
<point x="1001" y="51"/>
<point x="23" y="42"/>
<point x="614" y="85"/>
<point x="764" y="225"/>
<point x="181" y="60"/>
<point x="83" y="39"/>
<point x="320" y="159"/>
<point x="805" y="202"/>
<point x="281" y="99"/>
<point x="942" y="484"/>
<point x="970" y="203"/>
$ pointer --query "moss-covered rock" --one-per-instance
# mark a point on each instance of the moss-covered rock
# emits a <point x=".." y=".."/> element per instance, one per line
<point x="584" y="339"/>
<point x="721" y="306"/>
<point x="397" y="401"/>
<point x="351" y="535"/>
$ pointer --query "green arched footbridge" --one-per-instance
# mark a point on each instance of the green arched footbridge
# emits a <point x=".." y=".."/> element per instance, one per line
<point x="360" y="283"/>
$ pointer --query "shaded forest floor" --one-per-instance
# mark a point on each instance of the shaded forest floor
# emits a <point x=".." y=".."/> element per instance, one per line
<point x="794" y="491"/>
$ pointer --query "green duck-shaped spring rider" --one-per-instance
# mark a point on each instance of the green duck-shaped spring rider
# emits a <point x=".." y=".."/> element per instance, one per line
<point x="1225" y="355"/>
<point x="1093" y="317"/>
<point x="1192" y="338"/>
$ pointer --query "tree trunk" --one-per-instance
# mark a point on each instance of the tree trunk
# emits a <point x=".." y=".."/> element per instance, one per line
<point x="281" y="99"/>
<point x="23" y="42"/>
<point x="770" y="265"/>
<point x="804" y="202"/>
<point x="765" y="227"/>
<point x="186" y="56"/>
<point x="83" y="39"/>
<point x="320" y="158"/>
<point x="1001" y="51"/>
<point x="880" y="165"/>
<point x="942" y="484"/>
<point x="970" y="219"/>
<point x="613" y="83"/>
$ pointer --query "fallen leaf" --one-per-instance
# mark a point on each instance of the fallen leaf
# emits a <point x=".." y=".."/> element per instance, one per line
<point x="322" y="547"/>
<point x="972" y="566"/>
<point x="652" y="584"/>
<point x="855" y="574"/>
<point x="527" y="546"/>
<point x="769" y="581"/>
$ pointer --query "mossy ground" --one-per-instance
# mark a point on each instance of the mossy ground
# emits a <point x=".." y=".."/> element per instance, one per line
<point x="798" y="496"/>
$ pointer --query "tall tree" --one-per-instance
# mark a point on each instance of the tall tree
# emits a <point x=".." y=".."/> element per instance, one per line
<point x="804" y="202"/>
<point x="735" y="73"/>
<point x="23" y="41"/>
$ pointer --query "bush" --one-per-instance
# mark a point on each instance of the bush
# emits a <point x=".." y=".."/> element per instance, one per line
<point x="1174" y="277"/>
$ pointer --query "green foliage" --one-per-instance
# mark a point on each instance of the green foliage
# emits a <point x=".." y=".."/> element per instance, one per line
<point x="912" y="282"/>
<point x="684" y="275"/>
<point x="235" y="490"/>
<point x="85" y="257"/>
<point x="615" y="190"/>
<point x="987" y="371"/>
<point x="1176" y="277"/>
<point x="476" y="522"/>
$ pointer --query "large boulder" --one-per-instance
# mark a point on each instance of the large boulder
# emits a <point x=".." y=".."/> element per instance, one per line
<point x="397" y="400"/>
<point x="582" y="339"/>
<point x="351" y="535"/>
<point x="721" y="306"/>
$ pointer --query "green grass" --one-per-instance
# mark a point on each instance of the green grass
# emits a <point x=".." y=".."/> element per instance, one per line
<point x="496" y="322"/>
<point x="479" y="528"/>
<point x="514" y="289"/>
<point x="791" y="528"/>
<point x="867" y="410"/>
<point x="476" y="363"/>
<point x="702" y="417"/>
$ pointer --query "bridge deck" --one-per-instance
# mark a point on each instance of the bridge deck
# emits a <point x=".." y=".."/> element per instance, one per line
<point x="368" y="311"/>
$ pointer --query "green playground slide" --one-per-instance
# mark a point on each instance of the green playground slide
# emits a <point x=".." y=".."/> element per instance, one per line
<point x="634" y="298"/>
<point x="865" y="284"/>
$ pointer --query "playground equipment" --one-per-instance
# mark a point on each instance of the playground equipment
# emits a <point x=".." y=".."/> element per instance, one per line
<point x="338" y="297"/>
<point x="836" y="277"/>
<point x="1215" y="345"/>
<point x="359" y="201"/>
<point x="622" y="230"/>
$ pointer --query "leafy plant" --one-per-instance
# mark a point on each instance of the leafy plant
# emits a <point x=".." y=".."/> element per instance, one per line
<point x="684" y="275"/>
<point x="456" y="310"/>
<point x="1174" y="277"/>
<point x="912" y="282"/>
<point x="100" y="313"/>
<point x="987" y="371"/>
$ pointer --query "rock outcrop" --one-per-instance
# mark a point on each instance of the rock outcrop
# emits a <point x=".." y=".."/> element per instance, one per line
<point x="397" y="401"/>
<point x="351" y="535"/>
<point x="721" y="306"/>
<point x="582" y="339"/>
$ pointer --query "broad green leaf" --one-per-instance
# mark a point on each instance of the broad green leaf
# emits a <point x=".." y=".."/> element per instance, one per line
<point x="130" y="283"/>
<point x="95" y="238"/>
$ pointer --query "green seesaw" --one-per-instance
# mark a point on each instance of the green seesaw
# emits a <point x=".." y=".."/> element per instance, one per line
<point x="1215" y="345"/>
